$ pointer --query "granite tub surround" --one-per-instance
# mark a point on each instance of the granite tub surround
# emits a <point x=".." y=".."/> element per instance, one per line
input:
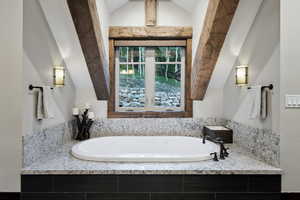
<point x="152" y="127"/>
<point x="262" y="143"/>
<point x="39" y="144"/>
<point x="60" y="161"/>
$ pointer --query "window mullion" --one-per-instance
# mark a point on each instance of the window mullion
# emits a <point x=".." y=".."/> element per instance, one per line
<point x="182" y="78"/>
<point x="150" y="78"/>
<point x="117" y="81"/>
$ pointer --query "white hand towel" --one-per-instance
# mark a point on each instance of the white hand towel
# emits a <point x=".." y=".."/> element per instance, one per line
<point x="264" y="103"/>
<point x="255" y="102"/>
<point x="47" y="103"/>
<point x="39" y="105"/>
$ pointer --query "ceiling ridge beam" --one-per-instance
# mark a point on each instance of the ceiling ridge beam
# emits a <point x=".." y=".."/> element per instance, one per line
<point x="150" y="12"/>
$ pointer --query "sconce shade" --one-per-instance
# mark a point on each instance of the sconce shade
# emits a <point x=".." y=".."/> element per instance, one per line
<point x="59" y="76"/>
<point x="241" y="75"/>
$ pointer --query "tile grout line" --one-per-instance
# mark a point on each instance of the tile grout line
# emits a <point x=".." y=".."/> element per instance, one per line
<point x="118" y="184"/>
<point x="183" y="182"/>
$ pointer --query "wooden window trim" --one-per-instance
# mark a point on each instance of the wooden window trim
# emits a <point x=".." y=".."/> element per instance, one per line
<point x="146" y="33"/>
<point x="112" y="113"/>
<point x="150" y="43"/>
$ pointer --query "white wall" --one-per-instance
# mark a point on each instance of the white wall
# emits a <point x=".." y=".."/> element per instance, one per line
<point x="62" y="27"/>
<point x="261" y="53"/>
<point x="103" y="13"/>
<point x="42" y="53"/>
<point x="198" y="17"/>
<point x="133" y="14"/>
<point x="30" y="124"/>
<point x="211" y="106"/>
<point x="10" y="94"/>
<point x="240" y="26"/>
<point x="290" y="82"/>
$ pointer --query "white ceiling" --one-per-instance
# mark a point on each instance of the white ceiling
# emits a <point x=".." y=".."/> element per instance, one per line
<point x="188" y="5"/>
<point x="115" y="4"/>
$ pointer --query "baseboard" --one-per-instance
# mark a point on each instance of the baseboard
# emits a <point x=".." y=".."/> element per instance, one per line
<point x="290" y="196"/>
<point x="10" y="195"/>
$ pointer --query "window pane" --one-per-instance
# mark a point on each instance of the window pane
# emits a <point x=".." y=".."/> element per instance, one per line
<point x="132" y="54"/>
<point x="123" y="54"/>
<point x="161" y="54"/>
<point x="132" y="85"/>
<point x="168" y="85"/>
<point x="168" y="54"/>
<point x="136" y="54"/>
<point x="174" y="54"/>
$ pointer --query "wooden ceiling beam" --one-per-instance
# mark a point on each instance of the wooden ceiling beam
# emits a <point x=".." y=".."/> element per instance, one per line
<point x="87" y="24"/>
<point x="217" y="22"/>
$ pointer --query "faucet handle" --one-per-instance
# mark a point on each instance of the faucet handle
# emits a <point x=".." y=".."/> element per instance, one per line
<point x="226" y="154"/>
<point x="219" y="140"/>
<point x="215" y="158"/>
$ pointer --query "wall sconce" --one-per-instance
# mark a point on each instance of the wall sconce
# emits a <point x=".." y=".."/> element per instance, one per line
<point x="241" y="75"/>
<point x="59" y="76"/>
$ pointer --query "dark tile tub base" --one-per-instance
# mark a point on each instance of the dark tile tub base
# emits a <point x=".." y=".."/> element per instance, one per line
<point x="149" y="196"/>
<point x="151" y="187"/>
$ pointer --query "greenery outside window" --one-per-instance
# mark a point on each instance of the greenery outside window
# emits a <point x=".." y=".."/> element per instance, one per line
<point x="150" y="79"/>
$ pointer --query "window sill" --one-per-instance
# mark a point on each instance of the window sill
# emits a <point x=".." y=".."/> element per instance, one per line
<point x="150" y="114"/>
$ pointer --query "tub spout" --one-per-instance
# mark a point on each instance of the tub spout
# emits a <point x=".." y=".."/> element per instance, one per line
<point x="203" y="137"/>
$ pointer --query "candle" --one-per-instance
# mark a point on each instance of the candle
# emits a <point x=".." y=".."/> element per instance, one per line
<point x="75" y="111"/>
<point x="91" y="115"/>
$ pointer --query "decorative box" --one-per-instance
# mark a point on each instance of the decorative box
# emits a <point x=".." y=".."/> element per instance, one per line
<point x="222" y="132"/>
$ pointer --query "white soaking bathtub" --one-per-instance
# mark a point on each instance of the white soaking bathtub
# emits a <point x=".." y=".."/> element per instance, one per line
<point x="144" y="149"/>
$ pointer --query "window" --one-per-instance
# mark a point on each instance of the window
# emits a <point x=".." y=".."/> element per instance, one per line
<point x="150" y="79"/>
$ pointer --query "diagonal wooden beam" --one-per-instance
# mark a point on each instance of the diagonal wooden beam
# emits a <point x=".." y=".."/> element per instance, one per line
<point x="217" y="22"/>
<point x="87" y="24"/>
<point x="151" y="12"/>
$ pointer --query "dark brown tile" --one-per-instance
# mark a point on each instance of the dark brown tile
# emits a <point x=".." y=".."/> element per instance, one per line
<point x="9" y="196"/>
<point x="150" y="183"/>
<point x="290" y="196"/>
<point x="264" y="183"/>
<point x="85" y="183"/>
<point x="182" y="196"/>
<point x="248" y="196"/>
<point x="36" y="183"/>
<point x="118" y="196"/>
<point x="216" y="183"/>
<point x="53" y="196"/>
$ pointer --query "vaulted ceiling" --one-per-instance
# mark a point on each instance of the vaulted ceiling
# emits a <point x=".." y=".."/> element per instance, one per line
<point x="188" y="5"/>
<point x="66" y="37"/>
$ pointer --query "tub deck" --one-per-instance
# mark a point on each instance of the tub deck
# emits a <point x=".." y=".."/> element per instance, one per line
<point x="62" y="162"/>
